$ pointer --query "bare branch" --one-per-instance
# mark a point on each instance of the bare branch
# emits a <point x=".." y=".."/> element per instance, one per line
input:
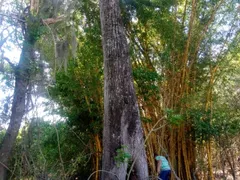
<point x="4" y="40"/>
<point x="9" y="62"/>
<point x="103" y="171"/>
<point x="12" y="17"/>
<point x="6" y="167"/>
<point x="53" y="20"/>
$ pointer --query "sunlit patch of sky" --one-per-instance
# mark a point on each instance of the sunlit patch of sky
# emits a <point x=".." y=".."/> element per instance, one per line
<point x="42" y="109"/>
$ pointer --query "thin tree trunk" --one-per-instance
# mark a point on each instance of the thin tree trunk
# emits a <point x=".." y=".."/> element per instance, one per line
<point x="122" y="126"/>
<point x="22" y="78"/>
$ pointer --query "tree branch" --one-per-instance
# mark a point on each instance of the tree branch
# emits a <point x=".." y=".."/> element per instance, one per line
<point x="9" y="16"/>
<point x="4" y="40"/>
<point x="49" y="21"/>
<point x="9" y="62"/>
<point x="34" y="6"/>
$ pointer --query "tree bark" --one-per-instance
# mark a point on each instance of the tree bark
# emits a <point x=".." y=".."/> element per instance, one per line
<point x="122" y="126"/>
<point x="22" y="78"/>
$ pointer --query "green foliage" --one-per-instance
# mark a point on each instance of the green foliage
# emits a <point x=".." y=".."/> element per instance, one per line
<point x="203" y="128"/>
<point x="174" y="118"/>
<point x="146" y="120"/>
<point x="147" y="81"/>
<point x="221" y="123"/>
<point x="44" y="151"/>
<point x="78" y="91"/>
<point x="35" y="29"/>
<point x="72" y="96"/>
<point x="157" y="38"/>
<point x="122" y="156"/>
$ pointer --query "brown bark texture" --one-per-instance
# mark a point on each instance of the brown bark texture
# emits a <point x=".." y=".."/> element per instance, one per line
<point x="122" y="126"/>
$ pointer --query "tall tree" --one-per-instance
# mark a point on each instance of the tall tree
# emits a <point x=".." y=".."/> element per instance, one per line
<point x="122" y="126"/>
<point x="22" y="81"/>
<point x="31" y="26"/>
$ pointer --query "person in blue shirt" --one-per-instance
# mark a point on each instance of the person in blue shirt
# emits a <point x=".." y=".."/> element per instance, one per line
<point x="163" y="167"/>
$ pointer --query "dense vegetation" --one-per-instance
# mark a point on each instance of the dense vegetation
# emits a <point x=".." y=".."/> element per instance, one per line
<point x="186" y="63"/>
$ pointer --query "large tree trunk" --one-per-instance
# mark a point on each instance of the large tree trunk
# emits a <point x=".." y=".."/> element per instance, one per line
<point x="22" y="78"/>
<point x="122" y="126"/>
